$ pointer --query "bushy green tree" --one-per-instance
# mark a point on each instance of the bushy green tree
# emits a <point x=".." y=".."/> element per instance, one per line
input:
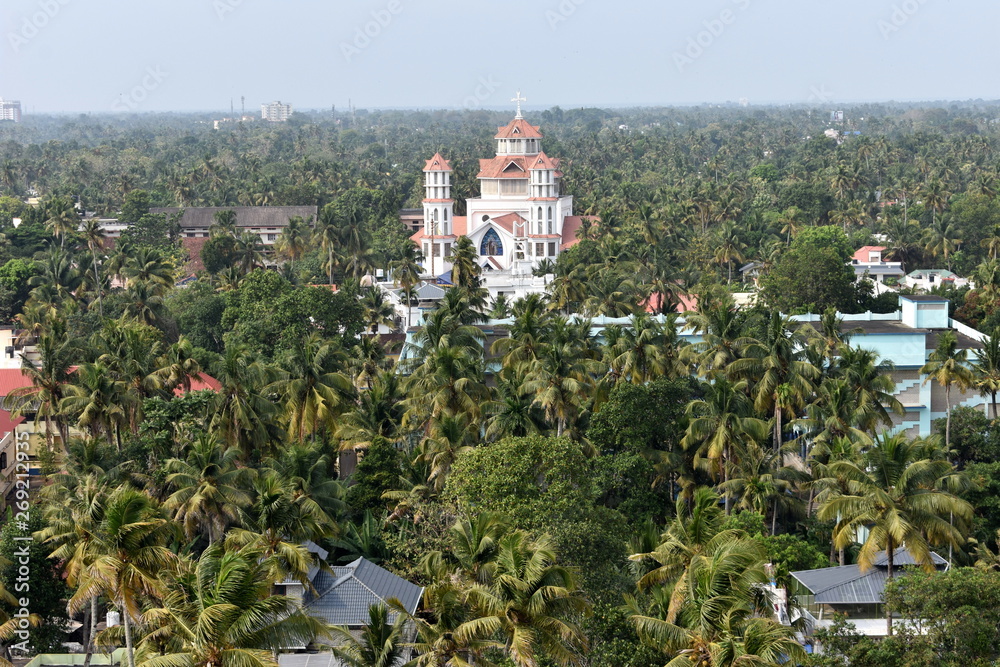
<point x="43" y="586"/>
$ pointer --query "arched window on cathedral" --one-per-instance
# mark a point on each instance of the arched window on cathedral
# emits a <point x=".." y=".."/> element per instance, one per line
<point x="491" y="246"/>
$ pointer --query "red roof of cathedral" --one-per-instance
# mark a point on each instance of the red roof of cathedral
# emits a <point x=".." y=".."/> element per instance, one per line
<point x="508" y="221"/>
<point x="458" y="228"/>
<point x="437" y="163"/>
<point x="571" y="225"/>
<point x="543" y="161"/>
<point x="519" y="129"/>
<point x="502" y="166"/>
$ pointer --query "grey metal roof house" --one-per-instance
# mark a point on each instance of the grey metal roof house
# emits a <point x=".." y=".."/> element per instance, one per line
<point x="344" y="595"/>
<point x="850" y="591"/>
<point x="202" y="217"/>
<point x="848" y="585"/>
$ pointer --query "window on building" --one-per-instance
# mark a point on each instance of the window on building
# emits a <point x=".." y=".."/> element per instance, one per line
<point x="492" y="245"/>
<point x="447" y="250"/>
<point x="437" y="249"/>
<point x="272" y="238"/>
<point x="552" y="250"/>
<point x="539" y="250"/>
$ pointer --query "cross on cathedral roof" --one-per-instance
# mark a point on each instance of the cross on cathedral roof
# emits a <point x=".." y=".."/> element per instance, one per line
<point x="518" y="99"/>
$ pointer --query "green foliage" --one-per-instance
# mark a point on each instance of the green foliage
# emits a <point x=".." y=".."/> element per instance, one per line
<point x="974" y="437"/>
<point x="810" y="278"/>
<point x="532" y="480"/>
<point x="269" y="314"/>
<point x="153" y="230"/>
<point x="219" y="253"/>
<point x="829" y="237"/>
<point x="14" y="287"/>
<point x="377" y="472"/>
<point x="959" y="610"/>
<point x="165" y="424"/>
<point x="638" y="418"/>
<point x="985" y="498"/>
<point x="546" y="485"/>
<point x="613" y="642"/>
<point x="135" y="207"/>
<point x="198" y="311"/>
<point x="43" y="586"/>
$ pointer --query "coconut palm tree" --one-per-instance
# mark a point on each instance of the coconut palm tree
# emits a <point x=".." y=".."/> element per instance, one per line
<point x="406" y="273"/>
<point x="774" y="365"/>
<point x="129" y="554"/>
<point x="243" y="416"/>
<point x="294" y="240"/>
<point x="313" y="387"/>
<point x="93" y="232"/>
<point x="986" y="369"/>
<point x="93" y="399"/>
<point x="49" y="381"/>
<point x="721" y="622"/>
<point x="946" y="365"/>
<point x="562" y="376"/>
<point x="718" y="425"/>
<point x="942" y="239"/>
<point x="465" y="268"/>
<point x="223" y="224"/>
<point x="208" y="488"/>
<point x="72" y="517"/>
<point x="329" y="237"/>
<point x="531" y="604"/>
<point x="443" y="637"/>
<point x="248" y="252"/>
<point x="381" y="644"/>
<point x="898" y="492"/>
<point x="223" y="614"/>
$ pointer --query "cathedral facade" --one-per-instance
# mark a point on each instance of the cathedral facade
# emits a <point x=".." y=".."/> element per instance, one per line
<point x="520" y="218"/>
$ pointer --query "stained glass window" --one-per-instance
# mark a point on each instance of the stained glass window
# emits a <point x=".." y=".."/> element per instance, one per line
<point x="491" y="246"/>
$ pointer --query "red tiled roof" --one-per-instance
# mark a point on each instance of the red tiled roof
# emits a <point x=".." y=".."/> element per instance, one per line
<point x="571" y="225"/>
<point x="543" y="161"/>
<point x="193" y="247"/>
<point x="495" y="263"/>
<point x="861" y="256"/>
<point x="8" y="423"/>
<point x="459" y="227"/>
<point x="655" y="302"/>
<point x="519" y="129"/>
<point x="11" y="379"/>
<point x="502" y="167"/>
<point x="437" y="163"/>
<point x="199" y="383"/>
<point x="508" y="221"/>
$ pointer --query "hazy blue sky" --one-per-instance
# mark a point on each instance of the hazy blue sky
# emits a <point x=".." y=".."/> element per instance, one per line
<point x="154" y="55"/>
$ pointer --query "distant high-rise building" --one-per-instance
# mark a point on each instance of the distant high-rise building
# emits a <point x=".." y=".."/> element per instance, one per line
<point x="10" y="110"/>
<point x="276" y="112"/>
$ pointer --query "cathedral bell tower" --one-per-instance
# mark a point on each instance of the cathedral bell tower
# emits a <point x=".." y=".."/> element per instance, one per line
<point x="439" y="216"/>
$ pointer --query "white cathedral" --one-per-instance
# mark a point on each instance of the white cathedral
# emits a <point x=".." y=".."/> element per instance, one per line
<point x="519" y="219"/>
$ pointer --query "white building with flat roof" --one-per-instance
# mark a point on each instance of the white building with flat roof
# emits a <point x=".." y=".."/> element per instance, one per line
<point x="10" y="110"/>
<point x="275" y="112"/>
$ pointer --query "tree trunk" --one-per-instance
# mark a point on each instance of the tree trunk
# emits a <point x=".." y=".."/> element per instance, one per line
<point x="97" y="284"/>
<point x="947" y="421"/>
<point x="128" y="637"/>
<point x="777" y="427"/>
<point x="725" y="480"/>
<point x="889" y="552"/>
<point x="994" y="395"/>
<point x="774" y="519"/>
<point x="91" y="630"/>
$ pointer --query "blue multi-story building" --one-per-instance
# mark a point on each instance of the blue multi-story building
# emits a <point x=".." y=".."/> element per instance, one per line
<point x="906" y="338"/>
